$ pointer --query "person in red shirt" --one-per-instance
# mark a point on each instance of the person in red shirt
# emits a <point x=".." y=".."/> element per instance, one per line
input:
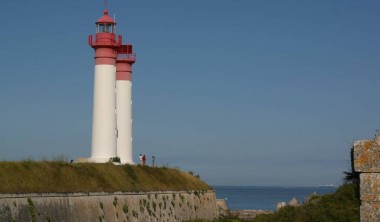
<point x="143" y="160"/>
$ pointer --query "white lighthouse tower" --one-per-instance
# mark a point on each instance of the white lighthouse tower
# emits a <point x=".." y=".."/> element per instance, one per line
<point x="104" y="131"/>
<point x="124" y="61"/>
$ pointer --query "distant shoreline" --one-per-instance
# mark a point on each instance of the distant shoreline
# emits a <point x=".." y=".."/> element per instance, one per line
<point x="265" y="197"/>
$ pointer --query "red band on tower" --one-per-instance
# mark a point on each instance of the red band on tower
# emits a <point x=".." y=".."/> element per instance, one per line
<point x="123" y="70"/>
<point x="105" y="56"/>
<point x="124" y="61"/>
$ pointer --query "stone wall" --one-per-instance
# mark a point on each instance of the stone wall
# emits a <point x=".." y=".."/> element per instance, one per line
<point x="223" y="209"/>
<point x="147" y="206"/>
<point x="367" y="162"/>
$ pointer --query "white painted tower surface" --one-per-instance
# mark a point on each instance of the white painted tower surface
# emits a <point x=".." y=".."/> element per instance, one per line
<point x="104" y="119"/>
<point x="124" y="61"/>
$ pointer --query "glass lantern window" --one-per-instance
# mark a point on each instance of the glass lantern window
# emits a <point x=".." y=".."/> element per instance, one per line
<point x="107" y="28"/>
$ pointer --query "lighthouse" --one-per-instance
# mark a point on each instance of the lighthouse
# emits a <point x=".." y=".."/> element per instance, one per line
<point x="125" y="59"/>
<point x="112" y="108"/>
<point x="104" y="131"/>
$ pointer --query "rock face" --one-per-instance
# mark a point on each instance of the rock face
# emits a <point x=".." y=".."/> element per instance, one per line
<point x="367" y="163"/>
<point x="148" y="206"/>
<point x="222" y="207"/>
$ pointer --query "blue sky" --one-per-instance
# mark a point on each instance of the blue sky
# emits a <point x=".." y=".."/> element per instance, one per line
<point x="242" y="92"/>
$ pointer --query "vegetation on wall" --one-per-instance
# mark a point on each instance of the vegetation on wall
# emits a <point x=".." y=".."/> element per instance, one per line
<point x="62" y="177"/>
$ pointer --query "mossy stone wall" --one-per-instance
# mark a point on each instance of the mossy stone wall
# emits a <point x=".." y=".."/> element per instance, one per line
<point x="148" y="206"/>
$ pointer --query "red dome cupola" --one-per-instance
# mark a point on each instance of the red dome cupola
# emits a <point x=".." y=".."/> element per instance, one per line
<point x="105" y="23"/>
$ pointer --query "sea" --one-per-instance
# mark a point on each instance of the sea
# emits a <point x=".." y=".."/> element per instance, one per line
<point x="265" y="197"/>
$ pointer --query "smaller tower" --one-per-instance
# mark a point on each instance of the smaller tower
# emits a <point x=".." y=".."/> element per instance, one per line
<point x="104" y="112"/>
<point x="125" y="59"/>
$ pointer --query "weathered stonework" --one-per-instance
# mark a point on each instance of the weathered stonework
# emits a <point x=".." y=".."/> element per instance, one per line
<point x="135" y="207"/>
<point x="370" y="187"/>
<point x="370" y="212"/>
<point x="367" y="162"/>
<point x="222" y="207"/>
<point x="367" y="156"/>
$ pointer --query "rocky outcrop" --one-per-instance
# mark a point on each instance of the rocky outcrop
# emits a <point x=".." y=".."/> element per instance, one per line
<point x="222" y="207"/>
<point x="147" y="206"/>
<point x="280" y="205"/>
<point x="293" y="202"/>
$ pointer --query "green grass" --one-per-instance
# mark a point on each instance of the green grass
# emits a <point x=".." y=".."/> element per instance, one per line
<point x="61" y="177"/>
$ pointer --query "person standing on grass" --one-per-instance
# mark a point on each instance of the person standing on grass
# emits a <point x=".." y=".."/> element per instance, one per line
<point x="153" y="160"/>
<point x="141" y="159"/>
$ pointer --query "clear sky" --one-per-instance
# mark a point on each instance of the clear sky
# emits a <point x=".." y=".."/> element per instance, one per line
<point x="247" y="92"/>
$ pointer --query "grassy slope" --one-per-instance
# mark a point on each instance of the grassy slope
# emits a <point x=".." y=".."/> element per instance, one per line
<point x="61" y="177"/>
<point x="342" y="206"/>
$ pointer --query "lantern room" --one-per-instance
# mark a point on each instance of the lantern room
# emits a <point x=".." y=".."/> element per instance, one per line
<point x="105" y="33"/>
<point x="105" y="24"/>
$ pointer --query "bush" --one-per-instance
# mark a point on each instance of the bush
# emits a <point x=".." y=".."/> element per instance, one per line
<point x="342" y="206"/>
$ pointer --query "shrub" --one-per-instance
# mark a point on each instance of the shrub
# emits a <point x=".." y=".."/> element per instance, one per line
<point x="342" y="206"/>
<point x="115" y="202"/>
<point x="125" y="208"/>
